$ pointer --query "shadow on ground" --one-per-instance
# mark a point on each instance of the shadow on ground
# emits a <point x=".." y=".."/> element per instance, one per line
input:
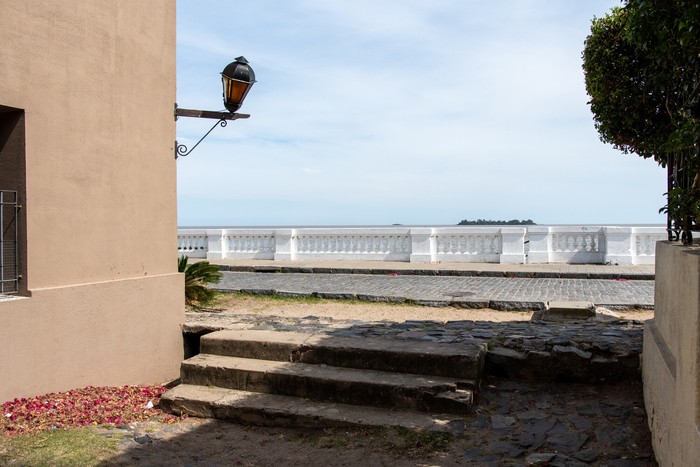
<point x="513" y="423"/>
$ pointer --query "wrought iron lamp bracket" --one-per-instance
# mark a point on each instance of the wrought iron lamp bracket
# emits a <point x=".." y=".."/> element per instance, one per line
<point x="181" y="149"/>
<point x="222" y="117"/>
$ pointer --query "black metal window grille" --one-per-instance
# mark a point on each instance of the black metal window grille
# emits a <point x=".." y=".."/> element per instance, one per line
<point x="680" y="176"/>
<point x="9" y="267"/>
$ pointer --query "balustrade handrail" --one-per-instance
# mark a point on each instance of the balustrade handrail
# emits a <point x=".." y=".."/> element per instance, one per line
<point x="582" y="244"/>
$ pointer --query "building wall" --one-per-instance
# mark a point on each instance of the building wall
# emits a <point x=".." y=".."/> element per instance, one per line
<point x="96" y="82"/>
<point x="671" y="357"/>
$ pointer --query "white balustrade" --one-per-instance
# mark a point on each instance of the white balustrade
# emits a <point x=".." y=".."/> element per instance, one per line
<point x="193" y="243"/>
<point x="489" y="244"/>
<point x="373" y="244"/>
<point x="583" y="245"/>
<point x="457" y="245"/>
<point x="633" y="245"/>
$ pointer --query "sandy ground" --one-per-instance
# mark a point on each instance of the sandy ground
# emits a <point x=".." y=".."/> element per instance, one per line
<point x="368" y="311"/>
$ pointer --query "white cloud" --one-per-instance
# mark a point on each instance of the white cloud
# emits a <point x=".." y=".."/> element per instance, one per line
<point x="412" y="112"/>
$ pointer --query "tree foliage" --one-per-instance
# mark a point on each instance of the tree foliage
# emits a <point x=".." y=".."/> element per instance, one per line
<point x="642" y="69"/>
<point x="490" y="222"/>
<point x="627" y="113"/>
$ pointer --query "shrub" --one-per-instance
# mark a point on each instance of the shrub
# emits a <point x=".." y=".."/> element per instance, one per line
<point x="197" y="276"/>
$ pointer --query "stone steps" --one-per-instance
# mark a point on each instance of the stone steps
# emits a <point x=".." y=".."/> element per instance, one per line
<point x="275" y="410"/>
<point x="330" y="384"/>
<point x="462" y="360"/>
<point x="258" y="376"/>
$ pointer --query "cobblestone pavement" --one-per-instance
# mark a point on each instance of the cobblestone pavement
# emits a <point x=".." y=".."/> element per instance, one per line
<point x="472" y="292"/>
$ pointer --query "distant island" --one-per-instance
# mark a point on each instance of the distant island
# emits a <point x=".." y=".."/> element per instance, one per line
<point x="490" y="222"/>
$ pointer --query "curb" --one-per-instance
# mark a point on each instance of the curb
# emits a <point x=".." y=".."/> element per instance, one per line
<point x="499" y="305"/>
<point x="434" y="272"/>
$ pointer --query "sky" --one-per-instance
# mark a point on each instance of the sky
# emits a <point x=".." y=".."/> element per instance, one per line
<point x="413" y="112"/>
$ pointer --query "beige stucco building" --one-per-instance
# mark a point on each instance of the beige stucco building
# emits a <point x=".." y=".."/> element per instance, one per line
<point x="86" y="141"/>
<point x="671" y="358"/>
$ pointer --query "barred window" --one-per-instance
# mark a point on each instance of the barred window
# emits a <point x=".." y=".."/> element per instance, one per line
<point x="13" y="221"/>
<point x="9" y="267"/>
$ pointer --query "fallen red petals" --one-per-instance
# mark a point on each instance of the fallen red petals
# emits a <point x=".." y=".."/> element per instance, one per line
<point x="80" y="407"/>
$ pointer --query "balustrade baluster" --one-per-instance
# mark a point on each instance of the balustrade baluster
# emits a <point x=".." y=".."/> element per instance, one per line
<point x="460" y="244"/>
<point x="472" y="244"/>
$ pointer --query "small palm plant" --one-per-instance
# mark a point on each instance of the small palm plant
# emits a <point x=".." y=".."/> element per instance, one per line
<point x="197" y="276"/>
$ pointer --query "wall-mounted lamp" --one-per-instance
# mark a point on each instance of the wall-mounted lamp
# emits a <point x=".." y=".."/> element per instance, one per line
<point x="237" y="78"/>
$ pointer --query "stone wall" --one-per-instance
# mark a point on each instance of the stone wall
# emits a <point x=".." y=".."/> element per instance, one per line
<point x="671" y="357"/>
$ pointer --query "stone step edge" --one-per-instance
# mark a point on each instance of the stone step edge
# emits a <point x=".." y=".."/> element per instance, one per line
<point x="397" y="356"/>
<point x="331" y="384"/>
<point x="457" y="302"/>
<point x="309" y="370"/>
<point x="439" y="272"/>
<point x="276" y="410"/>
<point x="600" y="363"/>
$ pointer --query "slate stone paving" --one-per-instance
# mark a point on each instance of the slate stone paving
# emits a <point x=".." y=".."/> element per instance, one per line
<point x="518" y="423"/>
<point x="508" y="293"/>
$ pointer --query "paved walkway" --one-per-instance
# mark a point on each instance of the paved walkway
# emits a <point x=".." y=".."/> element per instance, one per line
<point x="502" y="293"/>
<point x="570" y="271"/>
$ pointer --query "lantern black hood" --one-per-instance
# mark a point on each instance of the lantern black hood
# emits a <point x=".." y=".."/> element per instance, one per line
<point x="237" y="78"/>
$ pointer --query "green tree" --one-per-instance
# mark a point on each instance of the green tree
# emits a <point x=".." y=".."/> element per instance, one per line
<point x="197" y="276"/>
<point x="627" y="112"/>
<point x="492" y="222"/>
<point x="642" y="69"/>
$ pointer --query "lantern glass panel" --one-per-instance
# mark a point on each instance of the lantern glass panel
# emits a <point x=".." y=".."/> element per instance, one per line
<point x="234" y="90"/>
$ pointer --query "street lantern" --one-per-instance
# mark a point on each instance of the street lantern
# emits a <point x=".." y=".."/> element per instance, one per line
<point x="237" y="78"/>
